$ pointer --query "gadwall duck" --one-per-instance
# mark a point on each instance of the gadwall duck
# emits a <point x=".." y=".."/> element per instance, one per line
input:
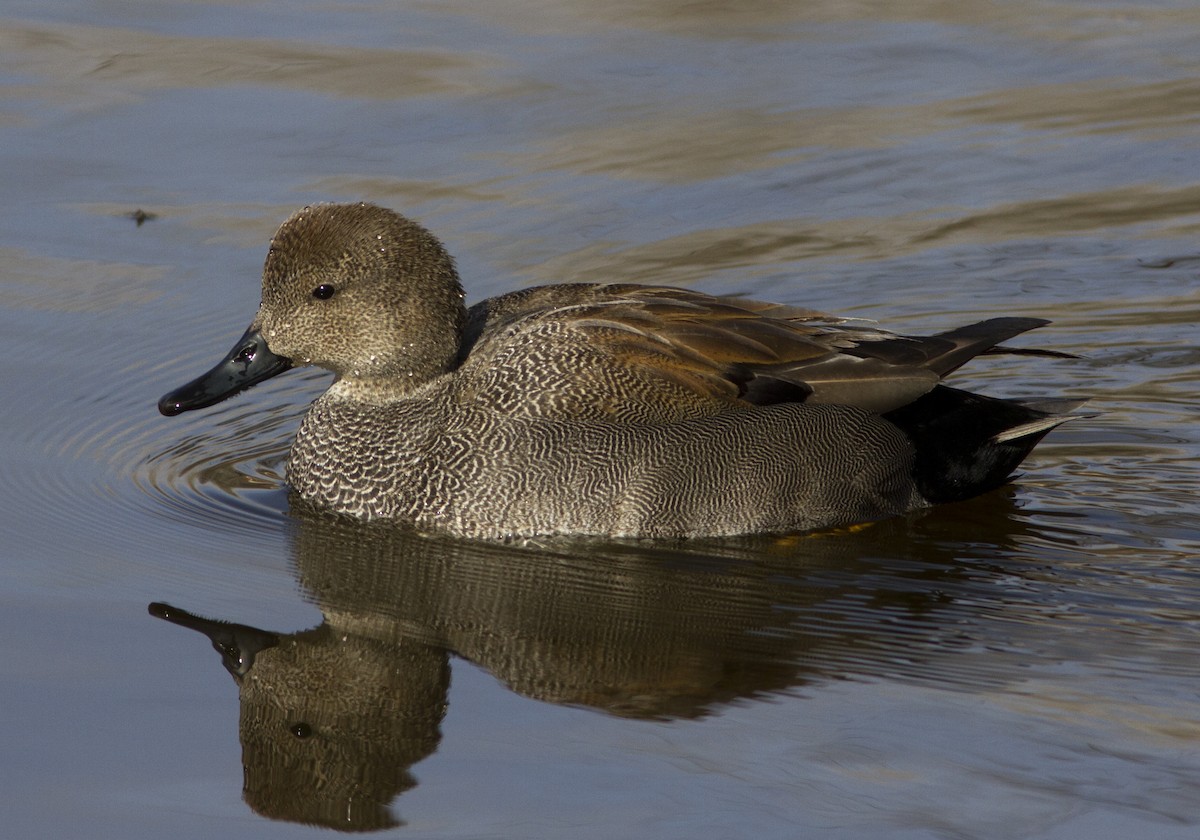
<point x="603" y="409"/>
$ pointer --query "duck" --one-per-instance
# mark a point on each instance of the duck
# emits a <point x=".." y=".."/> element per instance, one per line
<point x="611" y="410"/>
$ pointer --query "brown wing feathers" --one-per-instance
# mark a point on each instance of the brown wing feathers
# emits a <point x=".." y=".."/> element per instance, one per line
<point x="736" y="349"/>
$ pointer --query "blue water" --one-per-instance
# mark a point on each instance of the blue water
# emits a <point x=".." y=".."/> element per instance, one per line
<point x="1022" y="665"/>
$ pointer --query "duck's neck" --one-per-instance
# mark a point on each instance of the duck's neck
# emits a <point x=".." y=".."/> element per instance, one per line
<point x="378" y="390"/>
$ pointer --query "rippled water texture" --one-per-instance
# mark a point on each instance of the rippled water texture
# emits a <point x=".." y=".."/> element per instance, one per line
<point x="1022" y="665"/>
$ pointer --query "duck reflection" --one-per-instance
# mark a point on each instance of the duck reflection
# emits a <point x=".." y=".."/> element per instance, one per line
<point x="330" y="721"/>
<point x="333" y="718"/>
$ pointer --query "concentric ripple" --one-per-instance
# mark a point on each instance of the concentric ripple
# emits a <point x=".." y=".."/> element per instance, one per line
<point x="110" y="468"/>
<point x="221" y="469"/>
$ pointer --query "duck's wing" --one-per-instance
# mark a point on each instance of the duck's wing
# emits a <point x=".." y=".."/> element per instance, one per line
<point x="729" y="349"/>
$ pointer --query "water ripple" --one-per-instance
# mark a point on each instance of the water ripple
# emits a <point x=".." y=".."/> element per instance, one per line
<point x="222" y="470"/>
<point x="218" y="473"/>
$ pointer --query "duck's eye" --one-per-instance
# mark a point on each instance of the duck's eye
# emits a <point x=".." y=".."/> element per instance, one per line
<point x="301" y="730"/>
<point x="324" y="291"/>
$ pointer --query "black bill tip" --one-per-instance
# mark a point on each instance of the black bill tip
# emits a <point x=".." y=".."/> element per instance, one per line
<point x="248" y="363"/>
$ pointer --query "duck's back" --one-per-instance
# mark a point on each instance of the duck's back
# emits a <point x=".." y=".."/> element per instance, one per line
<point x="629" y="353"/>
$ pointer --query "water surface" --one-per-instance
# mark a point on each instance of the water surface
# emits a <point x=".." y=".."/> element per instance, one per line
<point x="1020" y="665"/>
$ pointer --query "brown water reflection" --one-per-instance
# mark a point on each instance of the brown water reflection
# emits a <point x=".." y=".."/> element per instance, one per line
<point x="333" y="718"/>
<point x="86" y="57"/>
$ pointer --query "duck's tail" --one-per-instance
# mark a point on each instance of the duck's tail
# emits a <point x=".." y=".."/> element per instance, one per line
<point x="967" y="444"/>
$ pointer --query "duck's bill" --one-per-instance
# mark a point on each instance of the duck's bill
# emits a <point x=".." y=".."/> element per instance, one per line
<point x="248" y="363"/>
<point x="238" y="644"/>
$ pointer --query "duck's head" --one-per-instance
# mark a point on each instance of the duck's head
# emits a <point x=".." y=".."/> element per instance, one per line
<point x="354" y="288"/>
